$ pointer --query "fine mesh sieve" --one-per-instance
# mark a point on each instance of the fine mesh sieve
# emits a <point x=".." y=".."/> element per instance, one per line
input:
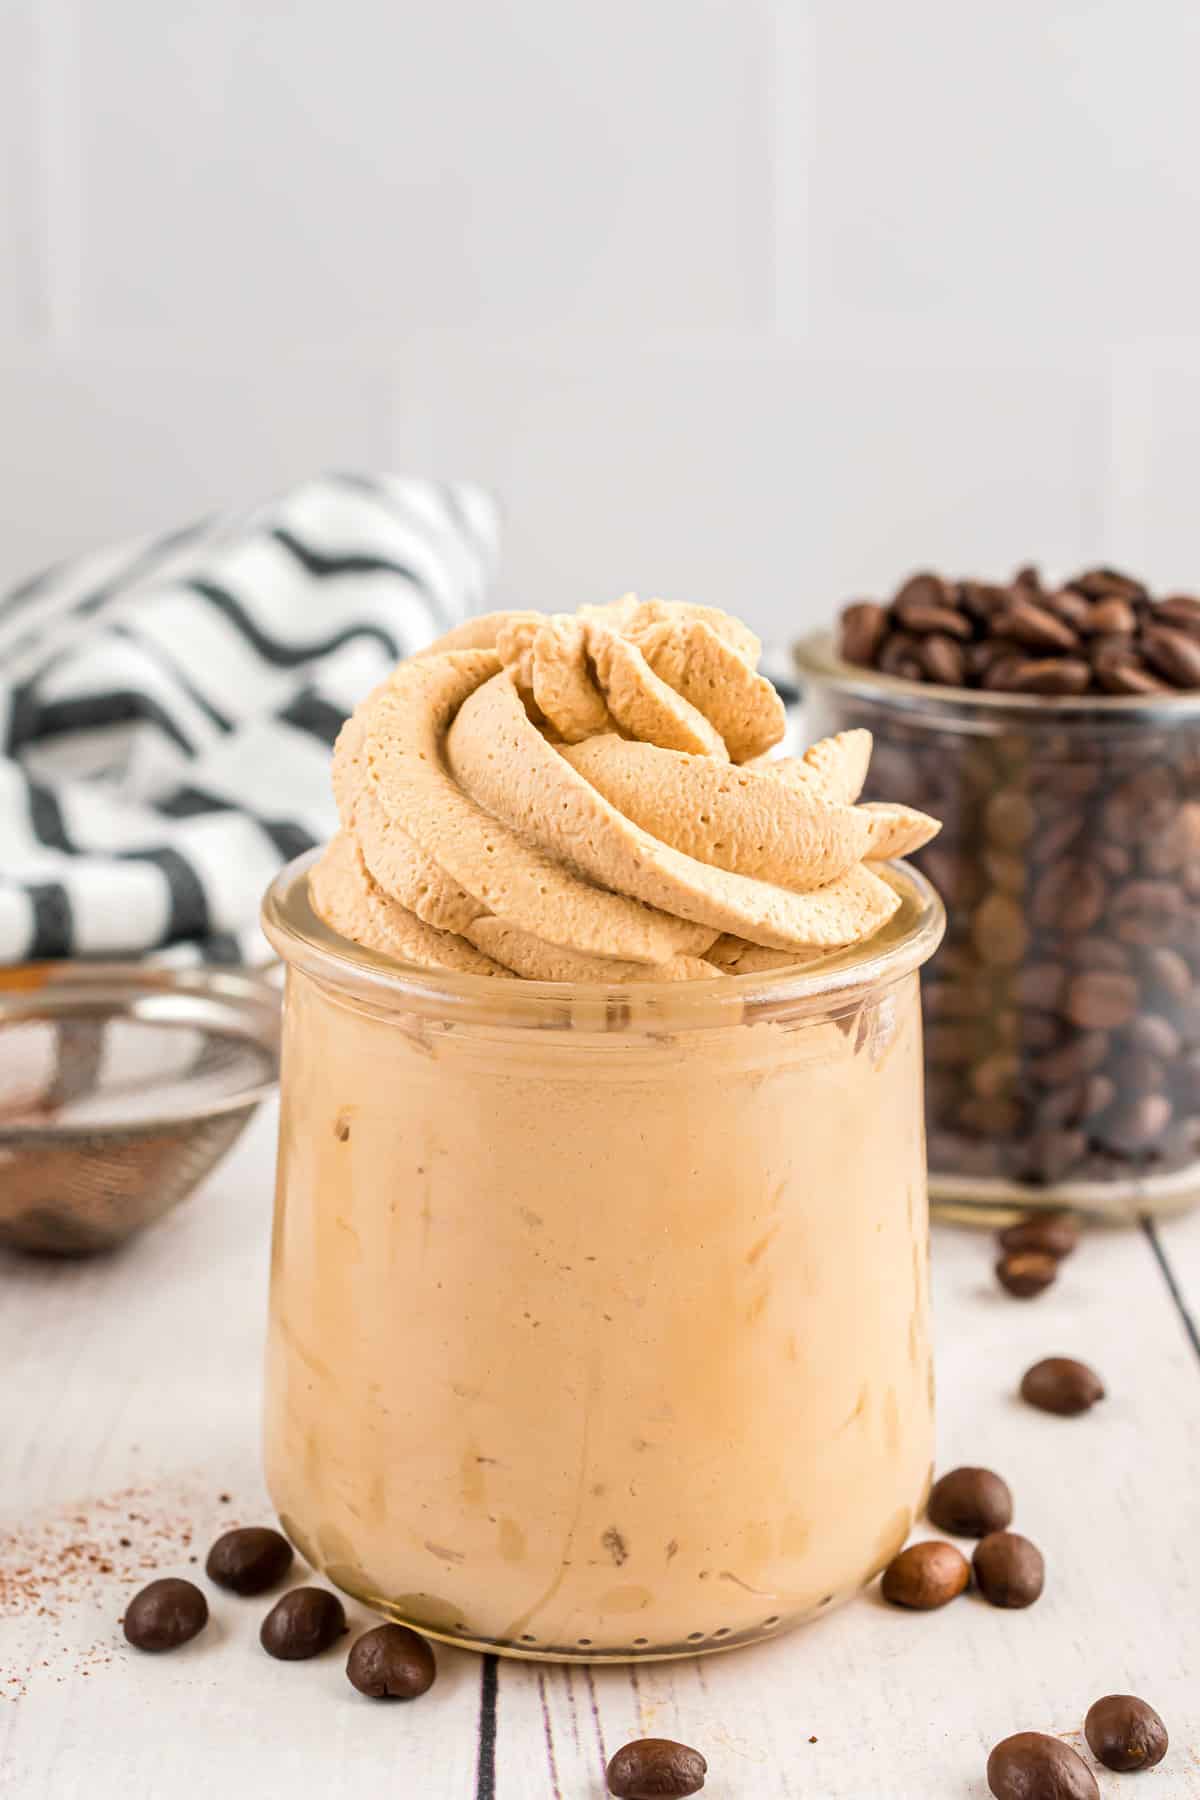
<point x="120" y="1087"/>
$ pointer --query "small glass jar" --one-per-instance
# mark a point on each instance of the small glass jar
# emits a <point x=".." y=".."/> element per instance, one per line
<point x="1063" y="1010"/>
<point x="599" y="1316"/>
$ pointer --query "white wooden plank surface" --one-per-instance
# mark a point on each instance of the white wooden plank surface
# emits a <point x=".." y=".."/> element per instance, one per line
<point x="142" y="1373"/>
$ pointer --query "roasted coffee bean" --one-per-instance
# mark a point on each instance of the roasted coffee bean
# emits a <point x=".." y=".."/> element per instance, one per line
<point x="1067" y="604"/>
<point x="1101" y="583"/>
<point x="1053" y="1233"/>
<point x="1148" y="912"/>
<point x="899" y="657"/>
<point x="166" y="1614"/>
<point x="1040" y="985"/>
<point x="999" y="931"/>
<point x="1156" y="1036"/>
<point x="864" y="627"/>
<point x="1035" y="626"/>
<point x="998" y="1117"/>
<point x="1055" y="676"/>
<point x="1009" y="819"/>
<point x="1038" y="1031"/>
<point x="1143" y="806"/>
<point x="995" y="1076"/>
<point x="969" y="1502"/>
<point x="1009" y="1570"/>
<point x="1061" y="1385"/>
<point x="925" y="1576"/>
<point x="302" y="1624"/>
<point x="1080" y="1056"/>
<point x="1054" y="840"/>
<point x="1026" y="1273"/>
<point x="1114" y="617"/>
<point x="1094" y="952"/>
<point x="656" y="1769"/>
<point x="1114" y="860"/>
<point x="942" y="660"/>
<point x="1129" y="678"/>
<point x="1003" y="673"/>
<point x="981" y="599"/>
<point x="1180" y="611"/>
<point x="1099" y="1000"/>
<point x="1138" y="1123"/>
<point x="1142" y="1074"/>
<point x="1051" y="1155"/>
<point x="390" y="1662"/>
<point x="1125" y="1733"/>
<point x="1031" y="1766"/>
<point x="942" y="621"/>
<point x="1069" y="896"/>
<point x="249" y="1561"/>
<point x="1172" y="654"/>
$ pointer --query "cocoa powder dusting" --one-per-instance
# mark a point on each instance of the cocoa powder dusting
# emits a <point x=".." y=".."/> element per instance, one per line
<point x="91" y="1557"/>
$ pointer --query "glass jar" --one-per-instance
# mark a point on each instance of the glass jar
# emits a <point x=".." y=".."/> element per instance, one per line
<point x="599" y="1316"/>
<point x="1062" y="1039"/>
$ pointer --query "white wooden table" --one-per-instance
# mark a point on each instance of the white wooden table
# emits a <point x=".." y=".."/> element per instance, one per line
<point x="131" y="1386"/>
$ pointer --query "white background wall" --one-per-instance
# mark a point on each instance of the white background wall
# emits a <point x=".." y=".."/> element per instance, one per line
<point x="754" y="302"/>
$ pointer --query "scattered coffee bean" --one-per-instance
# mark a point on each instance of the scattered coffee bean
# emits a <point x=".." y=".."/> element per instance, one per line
<point x="302" y="1624"/>
<point x="1124" y="1733"/>
<point x="655" y="1769"/>
<point x="925" y="1576"/>
<point x="1026" y="1273"/>
<point x="1009" y="1570"/>
<point x="1032" y="1766"/>
<point x="166" y="1614"/>
<point x="249" y="1561"/>
<point x="391" y="1662"/>
<point x="1061" y="1385"/>
<point x="970" y="1503"/>
<point x="1053" y="1233"/>
<point x="1101" y="999"/>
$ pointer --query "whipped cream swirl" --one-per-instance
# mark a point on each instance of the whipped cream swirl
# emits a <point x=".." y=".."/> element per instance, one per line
<point x="589" y="797"/>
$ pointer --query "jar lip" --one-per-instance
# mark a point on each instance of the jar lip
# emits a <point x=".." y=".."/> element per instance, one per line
<point x="304" y="941"/>
<point x="976" y="709"/>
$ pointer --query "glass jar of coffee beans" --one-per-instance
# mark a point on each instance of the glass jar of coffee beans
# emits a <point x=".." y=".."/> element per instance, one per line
<point x="1056" y="732"/>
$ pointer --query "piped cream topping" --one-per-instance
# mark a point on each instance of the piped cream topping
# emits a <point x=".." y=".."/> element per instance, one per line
<point x="590" y="797"/>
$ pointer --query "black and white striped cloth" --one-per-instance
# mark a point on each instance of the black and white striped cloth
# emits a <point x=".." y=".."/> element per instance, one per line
<point x="167" y="707"/>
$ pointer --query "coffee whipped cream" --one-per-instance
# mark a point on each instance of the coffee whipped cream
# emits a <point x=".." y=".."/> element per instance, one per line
<point x="590" y="797"/>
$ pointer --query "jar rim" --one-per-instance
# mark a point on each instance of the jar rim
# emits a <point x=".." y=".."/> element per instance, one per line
<point x="978" y="710"/>
<point x="304" y="941"/>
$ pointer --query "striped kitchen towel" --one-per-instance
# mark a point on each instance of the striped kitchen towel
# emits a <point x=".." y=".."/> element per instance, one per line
<point x="167" y="707"/>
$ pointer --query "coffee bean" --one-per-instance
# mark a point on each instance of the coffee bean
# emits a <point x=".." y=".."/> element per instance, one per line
<point x="1156" y="1036"/>
<point x="1052" y="1233"/>
<point x="166" y="1614"/>
<point x="302" y="1624"/>
<point x="1147" y="912"/>
<point x="1026" y="1273"/>
<point x="1079" y="1056"/>
<point x="1051" y="1156"/>
<point x="1038" y="1031"/>
<point x="1056" y="676"/>
<point x="1172" y="654"/>
<point x="969" y="1502"/>
<point x="1061" y="1385"/>
<point x="1111" y="616"/>
<point x="1138" y="1123"/>
<point x="1070" y="896"/>
<point x="1067" y="604"/>
<point x="1142" y="1074"/>
<point x="981" y="599"/>
<point x="1034" y="626"/>
<point x="249" y="1561"/>
<point x="1053" y="840"/>
<point x="1032" y="1766"/>
<point x="942" y="659"/>
<point x="925" y="1576"/>
<point x="999" y="931"/>
<point x="1125" y="1733"/>
<point x="1009" y="819"/>
<point x="1099" y="1000"/>
<point x="1103" y="583"/>
<point x="1099" y="953"/>
<point x="1129" y="678"/>
<point x="390" y="1662"/>
<point x="998" y="1117"/>
<point x="1040" y="985"/>
<point x="1181" y="612"/>
<point x="655" y="1769"/>
<point x="1009" y="1570"/>
<point x="995" y="1076"/>
<point x="899" y="657"/>
<point x="864" y="627"/>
